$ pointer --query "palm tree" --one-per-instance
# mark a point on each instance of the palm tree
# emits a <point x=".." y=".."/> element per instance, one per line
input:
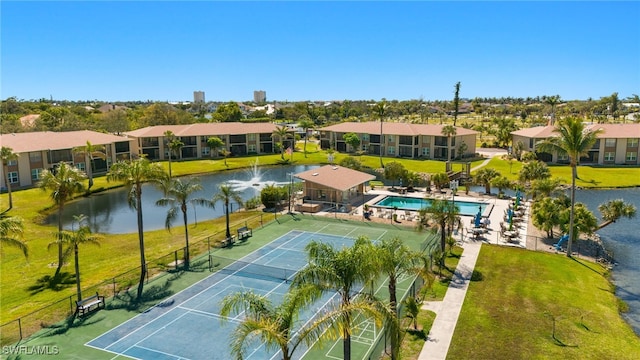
<point x="306" y="125"/>
<point x="613" y="210"/>
<point x="395" y="260"/>
<point x="274" y="325"/>
<point x="501" y="182"/>
<point x="533" y="170"/>
<point x="281" y="133"/>
<point x="440" y="180"/>
<point x="173" y="144"/>
<point x="553" y="101"/>
<point x="73" y="239"/>
<point x="177" y="196"/>
<point x="134" y="174"/>
<point x="90" y="151"/>
<point x="11" y="231"/>
<point x="7" y="154"/>
<point x="412" y="308"/>
<point x="485" y="176"/>
<point x="443" y="213"/>
<point x="456" y="102"/>
<point x="214" y="144"/>
<point x="226" y="194"/>
<point x="63" y="184"/>
<point x="379" y="110"/>
<point x="449" y="131"/>
<point x="342" y="271"/>
<point x="574" y="141"/>
<point x="545" y="187"/>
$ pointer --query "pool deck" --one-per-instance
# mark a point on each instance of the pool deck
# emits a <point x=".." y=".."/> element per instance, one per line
<point x="495" y="212"/>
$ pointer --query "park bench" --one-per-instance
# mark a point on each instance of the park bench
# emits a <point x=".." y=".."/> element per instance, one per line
<point x="244" y="233"/>
<point x="228" y="241"/>
<point x="89" y="304"/>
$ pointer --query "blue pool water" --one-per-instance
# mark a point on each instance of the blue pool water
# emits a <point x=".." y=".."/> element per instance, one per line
<point x="409" y="203"/>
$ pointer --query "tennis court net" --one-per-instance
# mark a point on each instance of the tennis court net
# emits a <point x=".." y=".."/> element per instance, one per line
<point x="249" y="269"/>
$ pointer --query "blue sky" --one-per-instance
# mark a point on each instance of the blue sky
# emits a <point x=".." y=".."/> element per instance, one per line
<point x="318" y="50"/>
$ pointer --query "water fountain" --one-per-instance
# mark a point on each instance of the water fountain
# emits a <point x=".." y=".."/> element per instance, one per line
<point x="254" y="181"/>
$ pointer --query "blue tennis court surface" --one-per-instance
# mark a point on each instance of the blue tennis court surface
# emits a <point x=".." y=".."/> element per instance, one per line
<point x="189" y="326"/>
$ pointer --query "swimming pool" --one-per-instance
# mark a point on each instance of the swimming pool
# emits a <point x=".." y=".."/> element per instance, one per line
<point x="415" y="204"/>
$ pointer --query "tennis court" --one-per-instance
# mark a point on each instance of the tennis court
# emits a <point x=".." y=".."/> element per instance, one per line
<point x="188" y="325"/>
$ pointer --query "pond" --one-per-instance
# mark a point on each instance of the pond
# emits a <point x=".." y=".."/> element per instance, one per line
<point x="109" y="211"/>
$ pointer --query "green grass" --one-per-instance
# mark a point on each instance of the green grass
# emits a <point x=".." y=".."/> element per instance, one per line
<point x="588" y="176"/>
<point x="509" y="310"/>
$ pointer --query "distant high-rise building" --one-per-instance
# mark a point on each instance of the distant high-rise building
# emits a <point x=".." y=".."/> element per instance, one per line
<point x="198" y="96"/>
<point x="259" y="96"/>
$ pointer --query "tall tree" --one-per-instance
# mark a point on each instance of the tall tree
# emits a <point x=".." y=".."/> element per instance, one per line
<point x="574" y="141"/>
<point x="343" y="271"/>
<point x="226" y="194"/>
<point x="64" y="183"/>
<point x="278" y="326"/>
<point x="178" y="195"/>
<point x="456" y="102"/>
<point x="90" y="152"/>
<point x="533" y="170"/>
<point x="545" y="187"/>
<point x="11" y="232"/>
<point x="379" y="111"/>
<point x="441" y="212"/>
<point x="352" y="140"/>
<point x="169" y="136"/>
<point x="306" y="125"/>
<point x="281" y="134"/>
<point x="395" y="260"/>
<point x="134" y="174"/>
<point x="215" y="143"/>
<point x="72" y="239"/>
<point x="6" y="155"/>
<point x="613" y="106"/>
<point x="485" y="177"/>
<point x="613" y="210"/>
<point x="553" y="101"/>
<point x="449" y="131"/>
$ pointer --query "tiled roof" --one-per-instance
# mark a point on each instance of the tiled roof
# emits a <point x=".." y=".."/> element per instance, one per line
<point x="619" y="131"/>
<point x="336" y="177"/>
<point x="391" y="128"/>
<point x="223" y="128"/>
<point x="48" y="140"/>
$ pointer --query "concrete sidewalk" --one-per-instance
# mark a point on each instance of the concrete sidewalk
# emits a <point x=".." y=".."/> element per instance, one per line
<point x="448" y="309"/>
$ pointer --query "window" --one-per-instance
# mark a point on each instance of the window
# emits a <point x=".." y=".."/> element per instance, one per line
<point x="251" y="137"/>
<point x="12" y="162"/>
<point x="35" y="157"/>
<point x="206" y="151"/>
<point x="389" y="139"/>
<point x="632" y="143"/>
<point x="609" y="142"/>
<point x="365" y="137"/>
<point x="609" y="156"/>
<point x="425" y="151"/>
<point x="13" y="177"/>
<point x="251" y="148"/>
<point x="631" y="156"/>
<point x="563" y="157"/>
<point x="80" y="166"/>
<point x="531" y="143"/>
<point x="391" y="150"/>
<point x="35" y="174"/>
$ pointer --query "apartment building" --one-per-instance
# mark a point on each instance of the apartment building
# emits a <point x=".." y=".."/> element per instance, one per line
<point x="37" y="151"/>
<point x="239" y="139"/>
<point x="617" y="144"/>
<point x="401" y="140"/>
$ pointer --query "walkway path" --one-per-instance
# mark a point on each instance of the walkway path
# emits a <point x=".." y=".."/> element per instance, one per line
<point x="448" y="310"/>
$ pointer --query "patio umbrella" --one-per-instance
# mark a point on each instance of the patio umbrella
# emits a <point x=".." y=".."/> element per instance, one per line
<point x="517" y="199"/>
<point x="477" y="220"/>
<point x="510" y="220"/>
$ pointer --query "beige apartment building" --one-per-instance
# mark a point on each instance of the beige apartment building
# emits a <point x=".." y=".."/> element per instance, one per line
<point x="617" y="144"/>
<point x="37" y="151"/>
<point x="401" y="140"/>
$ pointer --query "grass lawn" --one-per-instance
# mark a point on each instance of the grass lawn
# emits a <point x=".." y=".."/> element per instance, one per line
<point x="589" y="176"/>
<point x="509" y="311"/>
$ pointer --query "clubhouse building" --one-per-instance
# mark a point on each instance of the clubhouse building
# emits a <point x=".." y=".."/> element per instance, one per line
<point x="617" y="144"/>
<point x="415" y="141"/>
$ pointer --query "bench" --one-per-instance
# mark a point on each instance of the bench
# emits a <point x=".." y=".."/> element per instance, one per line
<point x="244" y="233"/>
<point x="228" y="241"/>
<point x="89" y="304"/>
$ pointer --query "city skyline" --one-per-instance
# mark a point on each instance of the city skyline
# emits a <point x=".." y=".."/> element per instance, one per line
<point x="297" y="51"/>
